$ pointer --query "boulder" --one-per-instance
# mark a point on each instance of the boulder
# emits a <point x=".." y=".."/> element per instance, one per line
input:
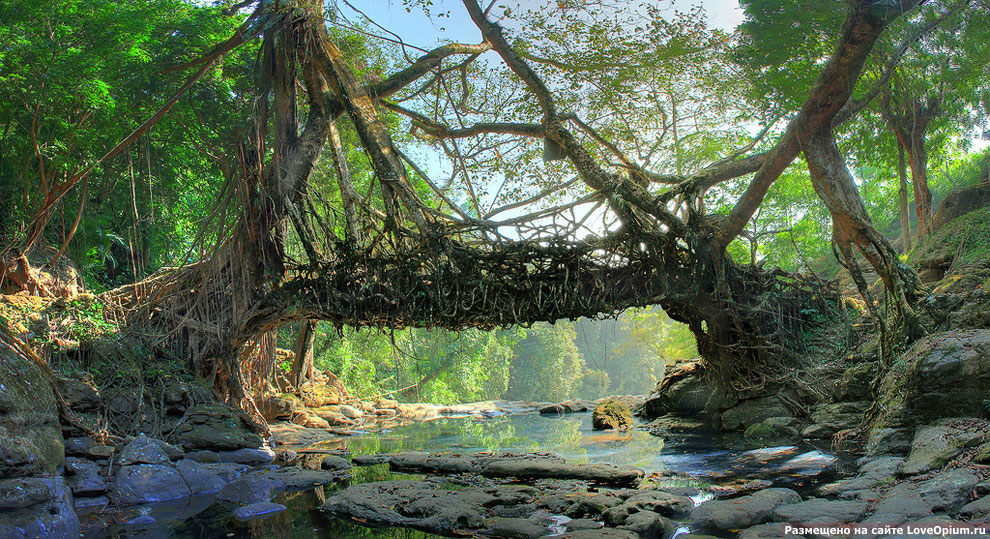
<point x="316" y="394"/>
<point x="30" y="435"/>
<point x="252" y="457"/>
<point x="752" y="411"/>
<point x="83" y="477"/>
<point x="333" y="418"/>
<point x="148" y="483"/>
<point x="979" y="508"/>
<point x="649" y="524"/>
<point x="516" y="528"/>
<point x="742" y="512"/>
<point x="935" y="445"/>
<point x="332" y="462"/>
<point x="79" y="394"/>
<point x="282" y="406"/>
<point x="351" y="412"/>
<point x="774" y="428"/>
<point x="199" y="478"/>
<point x="818" y="510"/>
<point x="419" y="504"/>
<point x="961" y="202"/>
<point x="611" y="414"/>
<point x="522" y="467"/>
<point x="216" y="428"/>
<point x="605" y="533"/>
<point x="686" y="391"/>
<point x="33" y="507"/>
<point x="841" y="415"/>
<point x="144" y="450"/>
<point x="945" y="375"/>
<point x="262" y="485"/>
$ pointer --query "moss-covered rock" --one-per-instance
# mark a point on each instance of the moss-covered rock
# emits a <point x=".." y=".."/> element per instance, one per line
<point x="216" y="428"/>
<point x="611" y="414"/>
<point x="30" y="435"/>
<point x="944" y="375"/>
<point x="971" y="232"/>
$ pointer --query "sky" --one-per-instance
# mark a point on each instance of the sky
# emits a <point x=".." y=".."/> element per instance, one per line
<point x="417" y="29"/>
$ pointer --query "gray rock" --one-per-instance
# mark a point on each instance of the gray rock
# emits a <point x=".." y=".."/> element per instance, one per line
<point x="753" y="411"/>
<point x="79" y="395"/>
<point x="228" y="471"/>
<point x="817" y="432"/>
<point x="522" y="467"/>
<point x="331" y="462"/>
<point x="943" y="375"/>
<point x="516" y="528"/>
<point x="257" y="510"/>
<point x="144" y="450"/>
<point x="820" y="510"/>
<point x="51" y="517"/>
<point x="216" y="428"/>
<point x="89" y="483"/>
<point x="578" y="524"/>
<point x="350" y="412"/>
<point x="839" y="416"/>
<point x="204" y="457"/>
<point x="23" y="492"/>
<point x="592" y="504"/>
<point x="764" y="531"/>
<point x="742" y="512"/>
<point x="889" y="441"/>
<point x="413" y="504"/>
<point x="30" y="433"/>
<point x="86" y="505"/>
<point x="100" y="452"/>
<point x="979" y="508"/>
<point x="661" y="502"/>
<point x="78" y="446"/>
<point x="935" y="445"/>
<point x="251" y="457"/>
<point x="370" y="460"/>
<point x="199" y="478"/>
<point x="686" y="392"/>
<point x="604" y="533"/>
<point x="262" y="485"/>
<point x="945" y="492"/>
<point x="148" y="483"/>
<point x="648" y="524"/>
<point x="911" y="501"/>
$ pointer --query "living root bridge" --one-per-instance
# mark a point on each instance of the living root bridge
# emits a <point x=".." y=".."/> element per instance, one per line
<point x="518" y="285"/>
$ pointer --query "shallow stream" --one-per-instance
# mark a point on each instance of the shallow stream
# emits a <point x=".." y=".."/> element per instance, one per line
<point x="697" y="459"/>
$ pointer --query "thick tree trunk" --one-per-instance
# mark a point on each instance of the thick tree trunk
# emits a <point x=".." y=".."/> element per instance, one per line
<point x="918" y="158"/>
<point x="852" y="227"/>
<point x="302" y="363"/>
<point x="903" y="203"/>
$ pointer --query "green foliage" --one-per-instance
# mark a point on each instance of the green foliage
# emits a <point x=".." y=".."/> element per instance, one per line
<point x="418" y="365"/>
<point x="968" y="236"/>
<point x="546" y="364"/>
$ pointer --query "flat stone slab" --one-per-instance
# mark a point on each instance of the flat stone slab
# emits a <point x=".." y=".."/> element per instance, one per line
<point x="742" y="512"/>
<point x="520" y="466"/>
<point x="817" y="510"/>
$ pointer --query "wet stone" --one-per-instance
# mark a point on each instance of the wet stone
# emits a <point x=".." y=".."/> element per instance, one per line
<point x="251" y="457"/>
<point x="144" y="450"/>
<point x="332" y="462"/>
<point x="516" y="528"/>
<point x="741" y="512"/>
<point x="257" y="510"/>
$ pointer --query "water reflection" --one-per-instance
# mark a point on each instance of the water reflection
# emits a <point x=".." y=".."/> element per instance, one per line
<point x="703" y="457"/>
